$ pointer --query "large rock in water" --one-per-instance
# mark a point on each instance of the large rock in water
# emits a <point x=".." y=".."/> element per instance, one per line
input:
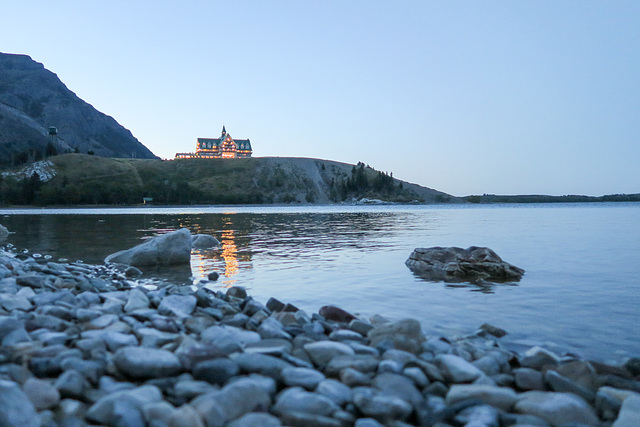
<point x="167" y="249"/>
<point x="4" y="234"/>
<point x="461" y="265"/>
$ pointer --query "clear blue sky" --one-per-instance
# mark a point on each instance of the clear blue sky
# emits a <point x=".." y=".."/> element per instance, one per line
<point x="468" y="97"/>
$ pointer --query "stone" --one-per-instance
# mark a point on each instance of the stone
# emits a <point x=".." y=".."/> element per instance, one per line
<point x="367" y="422"/>
<point x="403" y="334"/>
<point x="123" y="407"/>
<point x="556" y="408"/>
<point x="274" y="305"/>
<point x="629" y="415"/>
<point x="353" y="378"/>
<point x="296" y="399"/>
<point x="336" y="314"/>
<point x="16" y="409"/>
<point x="493" y="330"/>
<point x="345" y="335"/>
<point x="261" y="364"/>
<point x="137" y="300"/>
<point x="185" y="416"/>
<point x="499" y="397"/>
<point x="71" y="384"/>
<point x="216" y="371"/>
<point x="115" y="340"/>
<point x="213" y="276"/>
<point x="457" y="370"/>
<point x="322" y="352"/>
<point x="334" y="390"/>
<point x="633" y="366"/>
<point x="167" y="249"/>
<point x="229" y="338"/>
<point x="237" y="292"/>
<point x="188" y="389"/>
<point x="399" y="386"/>
<point x="272" y="347"/>
<point x="538" y="358"/>
<point x="256" y="419"/>
<point x="12" y="302"/>
<point x="272" y="329"/>
<point x="302" y="377"/>
<point x="478" y="416"/>
<point x="455" y="264"/>
<point x="131" y="271"/>
<point x="157" y="412"/>
<point x="177" y="305"/>
<point x="360" y="326"/>
<point x="302" y="419"/>
<point x="561" y="383"/>
<point x="41" y="393"/>
<point x="381" y="406"/>
<point x="151" y="337"/>
<point x="145" y="363"/>
<point x="204" y="241"/>
<point x="363" y="363"/>
<point x="417" y="376"/>
<point x="4" y="234"/>
<point x="528" y="379"/>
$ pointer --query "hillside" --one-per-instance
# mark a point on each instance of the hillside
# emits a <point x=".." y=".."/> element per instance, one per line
<point x="83" y="179"/>
<point x="33" y="98"/>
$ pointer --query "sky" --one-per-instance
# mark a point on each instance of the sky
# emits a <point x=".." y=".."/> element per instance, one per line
<point x="467" y="97"/>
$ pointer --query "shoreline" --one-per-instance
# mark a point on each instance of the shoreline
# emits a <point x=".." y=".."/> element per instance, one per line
<point x="84" y="342"/>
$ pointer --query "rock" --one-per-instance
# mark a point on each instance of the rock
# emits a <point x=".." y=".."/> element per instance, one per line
<point x="367" y="422"/>
<point x="144" y="363"/>
<point x="177" y="305"/>
<point x="399" y="386"/>
<point x="137" y="300"/>
<point x="274" y="305"/>
<point x="556" y="408"/>
<point x="454" y="264"/>
<point x="71" y="384"/>
<point x="256" y="419"/>
<point x="417" y="376"/>
<point x="115" y="340"/>
<point x="629" y="415"/>
<point x="334" y="390"/>
<point x="229" y="338"/>
<point x="123" y="407"/>
<point x="479" y="416"/>
<point x="302" y="377"/>
<point x="4" y="234"/>
<point x="41" y="393"/>
<point x="322" y="352"/>
<point x="492" y="330"/>
<point x="185" y="416"/>
<point x="403" y="334"/>
<point x="528" y="379"/>
<point x="237" y="292"/>
<point x="261" y="364"/>
<point x="457" y="370"/>
<point x="632" y="365"/>
<point x="213" y="276"/>
<point x="360" y="326"/>
<point x="296" y="399"/>
<point x="204" y="241"/>
<point x="302" y="419"/>
<point x="499" y="397"/>
<point x="381" y="406"/>
<point x="345" y="335"/>
<point x="216" y="371"/>
<point x="363" y="363"/>
<point x="166" y="249"/>
<point x="354" y="378"/>
<point x="270" y="328"/>
<point x="561" y="383"/>
<point x="16" y="409"/>
<point x="336" y="314"/>
<point x="272" y="347"/>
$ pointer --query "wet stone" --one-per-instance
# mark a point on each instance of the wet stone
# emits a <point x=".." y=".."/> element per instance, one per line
<point x="556" y="408"/>
<point x="303" y="377"/>
<point x="334" y="390"/>
<point x="296" y="399"/>
<point x="141" y="363"/>
<point x="528" y="379"/>
<point x="216" y="371"/>
<point x="457" y="370"/>
<point x="41" y="393"/>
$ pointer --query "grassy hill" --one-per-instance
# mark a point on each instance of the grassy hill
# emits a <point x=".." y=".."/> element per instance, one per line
<point x="84" y="179"/>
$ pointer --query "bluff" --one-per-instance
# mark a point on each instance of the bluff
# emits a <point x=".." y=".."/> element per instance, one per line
<point x="33" y="98"/>
<point x="84" y="179"/>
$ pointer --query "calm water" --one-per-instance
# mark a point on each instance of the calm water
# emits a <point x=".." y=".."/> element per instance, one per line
<point x="580" y="293"/>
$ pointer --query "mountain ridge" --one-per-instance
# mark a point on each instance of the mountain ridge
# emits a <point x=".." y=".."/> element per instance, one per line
<point x="32" y="99"/>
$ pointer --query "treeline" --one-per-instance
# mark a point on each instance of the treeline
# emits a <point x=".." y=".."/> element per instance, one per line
<point x="365" y="181"/>
<point x="492" y="198"/>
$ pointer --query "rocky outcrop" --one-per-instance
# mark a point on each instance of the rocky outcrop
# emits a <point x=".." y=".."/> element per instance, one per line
<point x="454" y="264"/>
<point x="167" y="249"/>
<point x="83" y="344"/>
<point x="33" y="98"/>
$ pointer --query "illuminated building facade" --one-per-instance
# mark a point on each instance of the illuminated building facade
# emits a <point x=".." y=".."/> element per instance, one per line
<point x="224" y="147"/>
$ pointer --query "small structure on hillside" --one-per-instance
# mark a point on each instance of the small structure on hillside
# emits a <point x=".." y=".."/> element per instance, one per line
<point x="223" y="147"/>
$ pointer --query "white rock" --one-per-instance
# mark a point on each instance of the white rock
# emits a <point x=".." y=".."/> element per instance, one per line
<point x="457" y="370"/>
<point x="500" y="397"/>
<point x="556" y="408"/>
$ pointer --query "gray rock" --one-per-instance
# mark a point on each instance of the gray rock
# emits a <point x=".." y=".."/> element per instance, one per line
<point x="12" y="302"/>
<point x="185" y="416"/>
<point x="353" y="378"/>
<point x="143" y="363"/>
<point x="556" y="408"/>
<point x="296" y="399"/>
<point x="261" y="364"/>
<point x="303" y="377"/>
<point x="457" y="370"/>
<point x="137" y="300"/>
<point x="71" y="384"/>
<point x="458" y="265"/>
<point x="499" y="397"/>
<point x="334" y="390"/>
<point x="303" y="419"/>
<point x="367" y="422"/>
<point x="487" y="364"/>
<point x="233" y="401"/>
<point x="362" y="363"/>
<point x="16" y="410"/>
<point x="115" y="340"/>
<point x="399" y="386"/>
<point x="123" y="407"/>
<point x="177" y="305"/>
<point x="561" y="383"/>
<point x="403" y="334"/>
<point x="528" y="379"/>
<point x="417" y="376"/>
<point x="41" y="393"/>
<point x="360" y="326"/>
<point x="204" y="241"/>
<point x="381" y="406"/>
<point x="216" y="371"/>
<point x="272" y="329"/>
<point x="478" y="416"/>
<point x="256" y="419"/>
<point x="538" y="358"/>
<point x="167" y="249"/>
<point x="150" y="337"/>
<point x="188" y="389"/>
<point x="157" y="413"/>
<point x="322" y="352"/>
<point x="272" y="347"/>
<point x="629" y="415"/>
<point x="229" y="338"/>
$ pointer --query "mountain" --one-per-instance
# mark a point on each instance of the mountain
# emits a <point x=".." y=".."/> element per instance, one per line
<point x="82" y="179"/>
<point x="32" y="99"/>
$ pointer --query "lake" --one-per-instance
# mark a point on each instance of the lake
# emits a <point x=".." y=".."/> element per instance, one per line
<point x="580" y="292"/>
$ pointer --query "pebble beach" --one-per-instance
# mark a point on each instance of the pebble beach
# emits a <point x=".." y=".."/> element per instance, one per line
<point x="93" y="345"/>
